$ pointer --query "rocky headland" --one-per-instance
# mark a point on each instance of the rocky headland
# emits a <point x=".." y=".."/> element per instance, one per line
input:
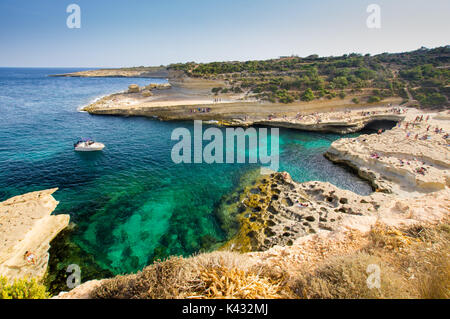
<point x="138" y="72"/>
<point x="191" y="99"/>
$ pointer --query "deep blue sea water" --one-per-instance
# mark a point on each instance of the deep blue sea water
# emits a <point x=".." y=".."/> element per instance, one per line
<point x="130" y="203"/>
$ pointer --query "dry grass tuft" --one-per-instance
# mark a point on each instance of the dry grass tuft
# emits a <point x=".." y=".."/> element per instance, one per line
<point x="216" y="275"/>
<point x="414" y="263"/>
<point x="162" y="280"/>
<point x="233" y="283"/>
<point x="435" y="282"/>
<point x="391" y="238"/>
<point x="433" y="263"/>
<point x="346" y="278"/>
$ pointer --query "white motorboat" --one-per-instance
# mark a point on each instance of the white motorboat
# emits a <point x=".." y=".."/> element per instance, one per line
<point x="88" y="146"/>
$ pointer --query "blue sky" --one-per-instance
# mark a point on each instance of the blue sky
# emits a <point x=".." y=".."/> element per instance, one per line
<point x="136" y="32"/>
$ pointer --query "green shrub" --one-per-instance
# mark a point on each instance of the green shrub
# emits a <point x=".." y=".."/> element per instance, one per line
<point x="422" y="69"/>
<point x="284" y="96"/>
<point x="432" y="99"/>
<point x="365" y="74"/>
<point x="22" y="289"/>
<point x="308" y="95"/>
<point x="355" y="100"/>
<point x="374" y="99"/>
<point x="271" y="99"/>
<point x="340" y="82"/>
<point x="287" y="99"/>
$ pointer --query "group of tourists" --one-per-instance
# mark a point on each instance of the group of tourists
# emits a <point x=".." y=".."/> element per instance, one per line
<point x="419" y="119"/>
<point x="421" y="170"/>
<point x="200" y="110"/>
<point x="336" y="115"/>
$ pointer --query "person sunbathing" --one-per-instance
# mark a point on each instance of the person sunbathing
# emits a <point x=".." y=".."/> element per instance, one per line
<point x="421" y="170"/>
<point x="302" y="205"/>
<point x="375" y="155"/>
<point x="30" y="257"/>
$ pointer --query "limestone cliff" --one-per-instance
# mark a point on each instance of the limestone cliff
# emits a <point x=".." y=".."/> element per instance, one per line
<point x="26" y="225"/>
<point x="409" y="158"/>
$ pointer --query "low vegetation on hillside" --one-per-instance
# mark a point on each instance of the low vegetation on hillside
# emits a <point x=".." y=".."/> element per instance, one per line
<point x="22" y="289"/>
<point x="413" y="263"/>
<point x="423" y="73"/>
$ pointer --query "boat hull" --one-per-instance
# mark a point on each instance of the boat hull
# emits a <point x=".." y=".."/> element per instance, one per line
<point x="96" y="147"/>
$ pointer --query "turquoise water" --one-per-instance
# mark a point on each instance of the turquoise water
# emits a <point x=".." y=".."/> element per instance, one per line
<point x="130" y="203"/>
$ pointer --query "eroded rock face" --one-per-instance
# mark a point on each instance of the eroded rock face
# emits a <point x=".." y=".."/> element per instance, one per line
<point x="278" y="211"/>
<point x="344" y="125"/>
<point x="26" y="225"/>
<point x="147" y="93"/>
<point x="133" y="88"/>
<point x="81" y="292"/>
<point x="410" y="174"/>
<point x="158" y="86"/>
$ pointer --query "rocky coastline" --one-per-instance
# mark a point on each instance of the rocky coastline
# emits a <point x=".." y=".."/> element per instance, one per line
<point x="408" y="167"/>
<point x="191" y="99"/>
<point x="144" y="72"/>
<point x="402" y="170"/>
<point x="283" y="223"/>
<point x="412" y="157"/>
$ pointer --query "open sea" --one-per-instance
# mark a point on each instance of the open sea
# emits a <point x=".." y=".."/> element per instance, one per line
<point x="129" y="204"/>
